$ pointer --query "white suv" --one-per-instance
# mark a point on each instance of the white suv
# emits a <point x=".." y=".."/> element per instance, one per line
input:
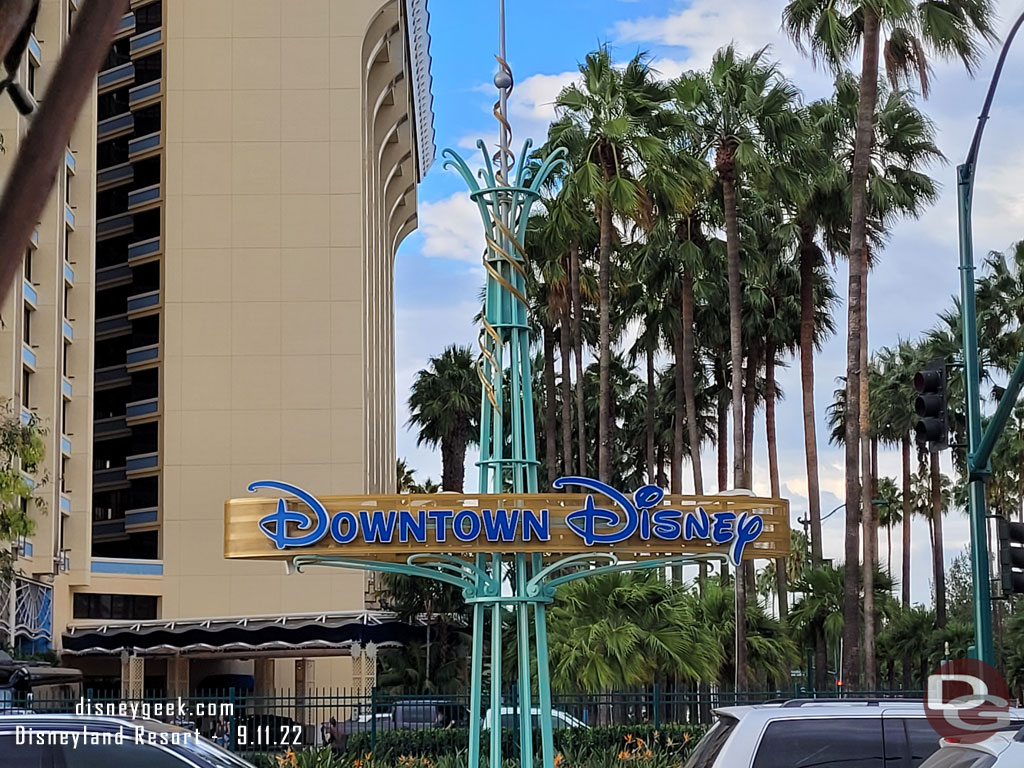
<point x="1003" y="750"/>
<point x="817" y="733"/>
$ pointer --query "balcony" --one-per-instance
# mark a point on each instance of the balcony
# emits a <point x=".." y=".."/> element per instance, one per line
<point x="111" y="377"/>
<point x="115" y="176"/>
<point x="111" y="478"/>
<point x="65" y="504"/>
<point x="119" y="567"/>
<point x="111" y="78"/>
<point x="138" y="198"/>
<point x="112" y="327"/>
<point x="110" y="428"/>
<point x="65" y="445"/>
<point x="69" y="273"/>
<point x="144" y="250"/>
<point x="108" y="529"/>
<point x="143" y="43"/>
<point x="139" y="357"/>
<point x="69" y="216"/>
<point x="117" y="125"/>
<point x="26" y="415"/>
<point x="142" y="463"/>
<point x="28" y="356"/>
<point x="125" y="26"/>
<point x="112" y="226"/>
<point x="69" y="160"/>
<point x="65" y="387"/>
<point x="111" y="277"/>
<point x="145" y="93"/>
<point x="138" y="409"/>
<point x="69" y="332"/>
<point x="147" y="516"/>
<point x="34" y="50"/>
<point x="141" y="302"/>
<point x="143" y="145"/>
<point x="30" y="294"/>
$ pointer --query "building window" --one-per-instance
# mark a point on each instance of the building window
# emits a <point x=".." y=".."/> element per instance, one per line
<point x="114" y="607"/>
<point x="63" y="474"/>
<point x="67" y="187"/>
<point x="27" y="335"/>
<point x="67" y="298"/>
<point x="64" y="416"/>
<point x="67" y="244"/>
<point x="28" y="264"/>
<point x="64" y="361"/>
<point x="25" y="388"/>
<point x="32" y="78"/>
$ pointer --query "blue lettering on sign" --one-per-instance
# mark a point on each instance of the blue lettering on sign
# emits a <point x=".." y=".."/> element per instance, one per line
<point x="618" y="518"/>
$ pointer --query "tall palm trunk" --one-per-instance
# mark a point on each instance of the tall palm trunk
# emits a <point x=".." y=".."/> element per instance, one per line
<point x="908" y="512"/>
<point x="722" y="429"/>
<point x="577" y="353"/>
<point x="565" y="354"/>
<point x="689" y="383"/>
<point x="749" y="409"/>
<point x="732" y="236"/>
<point x="808" y="264"/>
<point x="604" y="344"/>
<point x="867" y="492"/>
<point x="453" y="461"/>
<point x="937" y="551"/>
<point x="781" y="581"/>
<point x="652" y="397"/>
<point x="858" y="242"/>
<point x="678" y="412"/>
<point x="689" y="395"/>
<point x="550" y="423"/>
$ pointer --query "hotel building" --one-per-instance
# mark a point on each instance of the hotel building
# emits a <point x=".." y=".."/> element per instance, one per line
<point x="232" y="240"/>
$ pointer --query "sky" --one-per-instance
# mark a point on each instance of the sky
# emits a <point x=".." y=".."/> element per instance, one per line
<point x="438" y="273"/>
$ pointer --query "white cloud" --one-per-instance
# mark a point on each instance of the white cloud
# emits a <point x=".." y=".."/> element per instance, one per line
<point x="451" y="229"/>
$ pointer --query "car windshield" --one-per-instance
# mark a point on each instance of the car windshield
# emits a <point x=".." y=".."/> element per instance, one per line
<point x="214" y="756"/>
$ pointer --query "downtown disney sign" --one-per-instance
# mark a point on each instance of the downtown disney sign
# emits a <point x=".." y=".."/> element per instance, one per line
<point x="644" y="524"/>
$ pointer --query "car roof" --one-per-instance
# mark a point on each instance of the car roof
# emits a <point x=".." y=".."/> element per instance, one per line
<point x="797" y="708"/>
<point x="995" y="744"/>
<point x="98" y="722"/>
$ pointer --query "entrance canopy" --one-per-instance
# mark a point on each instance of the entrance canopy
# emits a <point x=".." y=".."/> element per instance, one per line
<point x="248" y="636"/>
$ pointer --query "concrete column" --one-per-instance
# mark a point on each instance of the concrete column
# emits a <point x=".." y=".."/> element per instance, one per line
<point x="305" y="680"/>
<point x="263" y="674"/>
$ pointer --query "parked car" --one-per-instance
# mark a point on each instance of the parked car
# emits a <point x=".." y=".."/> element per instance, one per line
<point x="405" y="715"/>
<point x="510" y="719"/>
<point x="841" y="733"/>
<point x="1002" y="750"/>
<point x="47" y="741"/>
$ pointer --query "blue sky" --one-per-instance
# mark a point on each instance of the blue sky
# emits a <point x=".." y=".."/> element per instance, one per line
<point x="437" y="272"/>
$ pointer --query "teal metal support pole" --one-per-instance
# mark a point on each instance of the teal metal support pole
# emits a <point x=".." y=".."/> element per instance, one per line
<point x="1000" y="417"/>
<point x="972" y="386"/>
<point x="476" y="672"/>
<point x="525" y="692"/>
<point x="977" y="470"/>
<point x="495" y="729"/>
<point x="547" y="737"/>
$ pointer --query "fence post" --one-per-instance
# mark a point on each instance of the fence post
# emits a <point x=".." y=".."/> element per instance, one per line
<point x="232" y="729"/>
<point x="373" y="718"/>
<point x="657" y="707"/>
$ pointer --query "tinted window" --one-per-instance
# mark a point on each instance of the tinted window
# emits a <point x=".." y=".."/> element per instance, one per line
<point x="711" y="745"/>
<point x="922" y="740"/>
<point x="126" y="755"/>
<point x="960" y="758"/>
<point x="15" y="755"/>
<point x="821" y="743"/>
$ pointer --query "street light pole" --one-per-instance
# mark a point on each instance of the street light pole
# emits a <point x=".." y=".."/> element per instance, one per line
<point x="979" y="447"/>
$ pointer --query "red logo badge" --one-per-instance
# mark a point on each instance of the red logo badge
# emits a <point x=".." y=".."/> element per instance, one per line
<point x="967" y="700"/>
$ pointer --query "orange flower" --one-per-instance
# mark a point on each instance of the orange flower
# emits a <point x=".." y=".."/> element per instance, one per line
<point x="558" y="759"/>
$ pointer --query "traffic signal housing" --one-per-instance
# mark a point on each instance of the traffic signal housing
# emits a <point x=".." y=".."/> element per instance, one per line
<point x="1011" y="557"/>
<point x="931" y="406"/>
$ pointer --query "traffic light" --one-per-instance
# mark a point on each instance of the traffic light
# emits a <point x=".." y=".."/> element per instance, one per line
<point x="932" y="427"/>
<point x="1011" y="557"/>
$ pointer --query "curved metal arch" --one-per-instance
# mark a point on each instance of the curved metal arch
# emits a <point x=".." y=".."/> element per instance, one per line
<point x="467" y="586"/>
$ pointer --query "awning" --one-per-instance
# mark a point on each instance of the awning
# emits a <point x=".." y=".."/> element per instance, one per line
<point x="246" y="636"/>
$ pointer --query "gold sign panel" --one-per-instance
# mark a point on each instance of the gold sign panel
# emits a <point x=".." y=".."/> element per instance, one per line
<point x="645" y="523"/>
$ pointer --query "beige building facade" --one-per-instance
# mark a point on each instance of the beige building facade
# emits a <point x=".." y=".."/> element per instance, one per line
<point x="255" y="169"/>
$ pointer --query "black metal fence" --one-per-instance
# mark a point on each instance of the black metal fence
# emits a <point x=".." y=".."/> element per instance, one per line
<point x="248" y="722"/>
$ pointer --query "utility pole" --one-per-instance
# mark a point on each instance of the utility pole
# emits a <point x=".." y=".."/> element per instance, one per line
<point x="979" y="445"/>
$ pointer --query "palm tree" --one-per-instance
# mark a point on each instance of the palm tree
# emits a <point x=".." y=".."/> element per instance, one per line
<point x="610" y="123"/>
<point x="889" y="514"/>
<point x="833" y="31"/>
<point x="444" y="404"/>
